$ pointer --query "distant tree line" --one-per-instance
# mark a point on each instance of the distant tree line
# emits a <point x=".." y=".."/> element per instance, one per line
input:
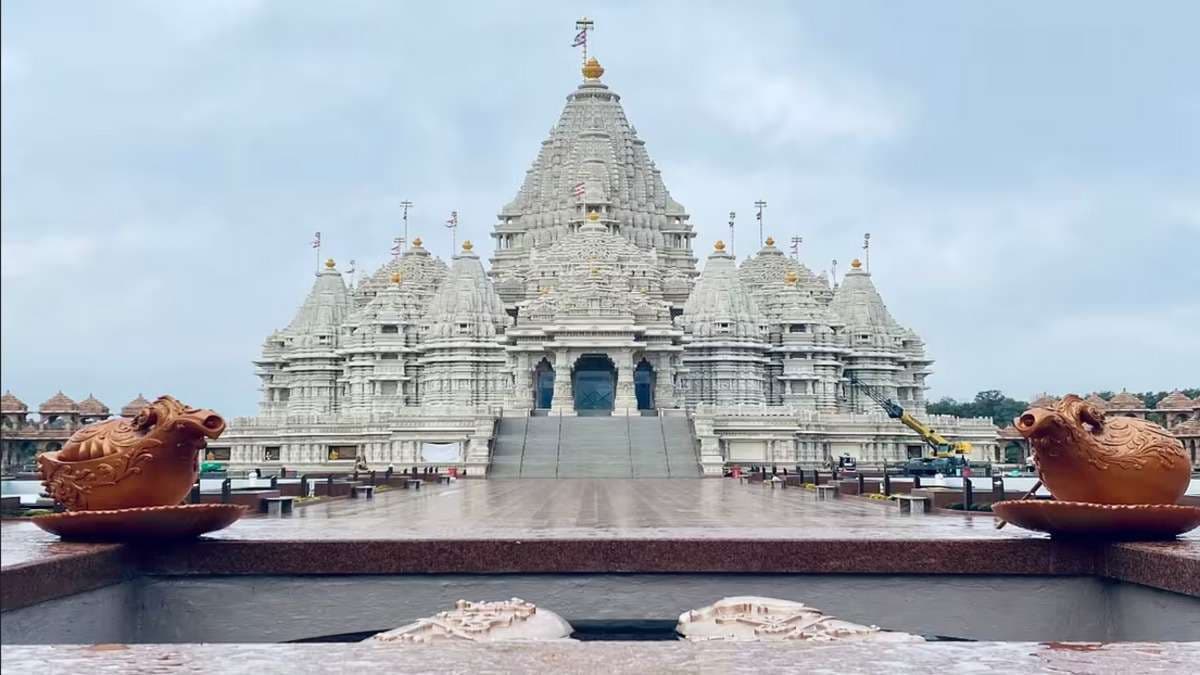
<point x="1002" y="409"/>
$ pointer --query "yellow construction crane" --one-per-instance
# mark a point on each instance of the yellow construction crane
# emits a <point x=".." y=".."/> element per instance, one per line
<point x="942" y="446"/>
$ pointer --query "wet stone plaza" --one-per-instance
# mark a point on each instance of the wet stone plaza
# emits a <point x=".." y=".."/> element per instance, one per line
<point x="606" y="555"/>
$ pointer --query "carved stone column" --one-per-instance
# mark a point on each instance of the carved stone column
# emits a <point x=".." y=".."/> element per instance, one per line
<point x="664" y="376"/>
<point x="625" y="401"/>
<point x="564" y="401"/>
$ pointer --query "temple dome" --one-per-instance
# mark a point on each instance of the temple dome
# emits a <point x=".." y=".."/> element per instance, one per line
<point x="1095" y="400"/>
<point x="592" y="167"/>
<point x="466" y="306"/>
<point x="1043" y="401"/>
<point x="326" y="307"/>
<point x="593" y="144"/>
<point x="719" y="305"/>
<point x="593" y="273"/>
<point x="763" y="273"/>
<point x="787" y="301"/>
<point x="421" y="274"/>
<point x="858" y="304"/>
<point x="92" y="407"/>
<point x="134" y="407"/>
<point x="1126" y="401"/>
<point x="1187" y="428"/>
<point x="59" y="403"/>
<point x="1176" y="400"/>
<point x="12" y="404"/>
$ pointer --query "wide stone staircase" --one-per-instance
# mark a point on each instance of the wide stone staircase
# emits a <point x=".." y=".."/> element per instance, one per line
<point x="594" y="447"/>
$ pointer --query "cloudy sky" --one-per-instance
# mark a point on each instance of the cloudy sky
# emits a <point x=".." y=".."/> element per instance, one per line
<point x="1029" y="172"/>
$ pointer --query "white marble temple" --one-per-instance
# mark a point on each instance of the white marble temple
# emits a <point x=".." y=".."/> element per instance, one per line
<point x="592" y="305"/>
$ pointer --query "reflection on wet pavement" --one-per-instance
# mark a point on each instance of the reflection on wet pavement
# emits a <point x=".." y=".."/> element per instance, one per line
<point x="581" y="509"/>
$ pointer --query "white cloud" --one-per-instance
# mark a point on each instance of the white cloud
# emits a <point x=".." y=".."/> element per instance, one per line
<point x="44" y="256"/>
<point x="227" y="133"/>
<point x="799" y="104"/>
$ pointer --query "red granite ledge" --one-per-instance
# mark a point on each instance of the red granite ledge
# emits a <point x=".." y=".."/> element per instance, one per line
<point x="572" y="556"/>
<point x="36" y="581"/>
<point x="1164" y="565"/>
<point x="1171" y="566"/>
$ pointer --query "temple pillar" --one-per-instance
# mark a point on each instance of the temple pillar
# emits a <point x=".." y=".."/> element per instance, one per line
<point x="564" y="397"/>
<point x="625" y="401"/>
<point x="664" y="376"/>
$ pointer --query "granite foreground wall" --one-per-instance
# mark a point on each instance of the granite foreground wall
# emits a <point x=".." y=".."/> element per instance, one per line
<point x="283" y="608"/>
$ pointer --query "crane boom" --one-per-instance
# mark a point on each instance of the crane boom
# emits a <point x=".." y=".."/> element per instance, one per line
<point x="940" y="444"/>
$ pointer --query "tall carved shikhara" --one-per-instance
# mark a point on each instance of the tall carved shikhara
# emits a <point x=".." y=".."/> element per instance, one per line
<point x="593" y="258"/>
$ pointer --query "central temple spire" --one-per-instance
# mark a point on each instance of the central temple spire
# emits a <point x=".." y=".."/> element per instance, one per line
<point x="592" y="170"/>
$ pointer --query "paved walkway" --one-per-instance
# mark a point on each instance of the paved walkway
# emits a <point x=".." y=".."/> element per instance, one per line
<point x="581" y="509"/>
<point x="610" y="509"/>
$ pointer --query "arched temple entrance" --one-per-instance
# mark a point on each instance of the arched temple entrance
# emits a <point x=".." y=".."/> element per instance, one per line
<point x="543" y="385"/>
<point x="594" y="381"/>
<point x="643" y="385"/>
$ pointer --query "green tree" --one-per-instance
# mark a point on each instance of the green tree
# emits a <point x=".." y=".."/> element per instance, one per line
<point x="990" y="403"/>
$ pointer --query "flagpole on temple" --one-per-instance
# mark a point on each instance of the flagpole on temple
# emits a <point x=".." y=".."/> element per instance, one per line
<point x="796" y="241"/>
<point x="867" y="251"/>
<point x="404" y="205"/>
<point x="452" y="225"/>
<point x="732" y="248"/>
<point x="583" y="26"/>
<point x="316" y="244"/>
<point x="761" y="205"/>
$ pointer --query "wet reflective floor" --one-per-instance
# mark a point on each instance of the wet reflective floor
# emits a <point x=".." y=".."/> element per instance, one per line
<point x="583" y="509"/>
<point x="608" y="509"/>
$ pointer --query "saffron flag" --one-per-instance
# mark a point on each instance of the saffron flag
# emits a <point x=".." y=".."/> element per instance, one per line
<point x="316" y="242"/>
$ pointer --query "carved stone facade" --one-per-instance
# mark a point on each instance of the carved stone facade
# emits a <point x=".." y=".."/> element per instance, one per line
<point x="592" y="166"/>
<point x="751" y="618"/>
<point x="593" y="305"/>
<point x="724" y="357"/>
<point x="595" y="334"/>
<point x="461" y="362"/>
<point x="510" y="620"/>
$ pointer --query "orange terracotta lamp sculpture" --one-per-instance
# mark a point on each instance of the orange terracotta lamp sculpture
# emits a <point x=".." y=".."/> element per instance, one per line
<point x="128" y="477"/>
<point x="1083" y="456"/>
<point x="1111" y="477"/>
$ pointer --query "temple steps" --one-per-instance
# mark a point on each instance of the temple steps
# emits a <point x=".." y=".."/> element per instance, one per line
<point x="594" y="447"/>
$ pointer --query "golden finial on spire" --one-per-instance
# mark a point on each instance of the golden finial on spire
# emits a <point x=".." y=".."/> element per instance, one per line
<point x="593" y="216"/>
<point x="791" y="278"/>
<point x="395" y="277"/>
<point x="719" y="247"/>
<point x="770" y="241"/>
<point x="856" y="263"/>
<point x="329" y="264"/>
<point x="417" y="242"/>
<point x="467" y="246"/>
<point x="592" y="70"/>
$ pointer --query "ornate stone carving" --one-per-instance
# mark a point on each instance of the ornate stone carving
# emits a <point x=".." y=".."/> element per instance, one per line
<point x="507" y="620"/>
<point x="150" y="460"/>
<point x="748" y="618"/>
<point x="1084" y="456"/>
